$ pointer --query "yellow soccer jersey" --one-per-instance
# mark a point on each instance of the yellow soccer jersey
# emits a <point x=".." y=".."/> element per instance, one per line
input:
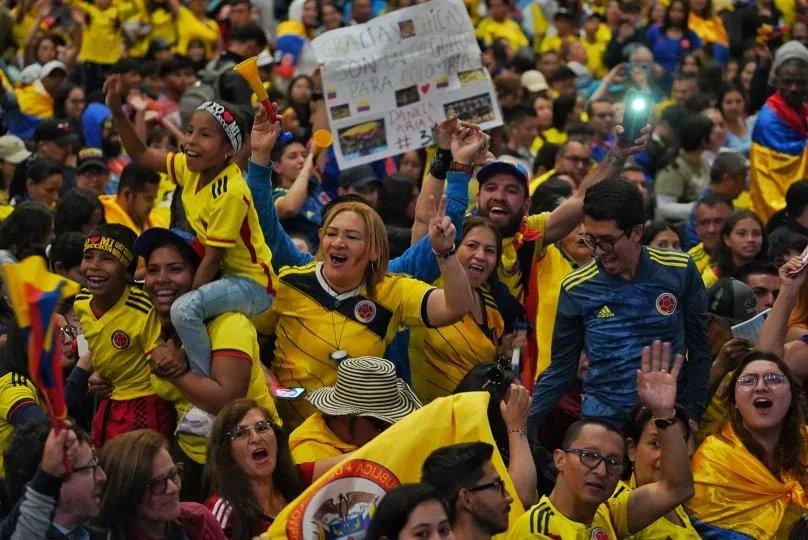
<point x="314" y="441"/>
<point x="661" y="529"/>
<point x="222" y="215"/>
<point x="190" y="28"/>
<point x="15" y="391"/>
<point x="101" y="36"/>
<point x="544" y="521"/>
<point x="309" y="324"/>
<point x="441" y="357"/>
<point x="700" y="257"/>
<point x="551" y="269"/>
<point x="233" y="335"/>
<point x="122" y="340"/>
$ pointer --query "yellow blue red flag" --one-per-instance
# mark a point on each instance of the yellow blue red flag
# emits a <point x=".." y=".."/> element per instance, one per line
<point x="341" y="503"/>
<point x="736" y="496"/>
<point x="35" y="294"/>
<point x="778" y="155"/>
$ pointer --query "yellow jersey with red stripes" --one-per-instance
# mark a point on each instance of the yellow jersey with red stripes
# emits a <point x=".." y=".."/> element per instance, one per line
<point x="223" y="215"/>
<point x="234" y="336"/>
<point x="545" y="521"/>
<point x="16" y="391"/>
<point x="122" y="340"/>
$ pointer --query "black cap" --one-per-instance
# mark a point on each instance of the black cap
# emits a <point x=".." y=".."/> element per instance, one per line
<point x="53" y="130"/>
<point x="358" y="176"/>
<point x="731" y="299"/>
<point x="91" y="158"/>
<point x="155" y="237"/>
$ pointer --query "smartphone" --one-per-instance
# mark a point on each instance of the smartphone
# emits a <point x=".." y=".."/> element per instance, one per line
<point x="294" y="392"/>
<point x="82" y="346"/>
<point x="638" y="110"/>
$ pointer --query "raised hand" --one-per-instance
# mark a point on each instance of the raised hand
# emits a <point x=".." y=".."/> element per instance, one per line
<point x="444" y="132"/>
<point x="656" y="380"/>
<point x="792" y="273"/>
<point x="442" y="231"/>
<point x="515" y="408"/>
<point x="61" y="448"/>
<point x="264" y="135"/>
<point x="113" y="89"/>
<point x="624" y="150"/>
<point x="468" y="143"/>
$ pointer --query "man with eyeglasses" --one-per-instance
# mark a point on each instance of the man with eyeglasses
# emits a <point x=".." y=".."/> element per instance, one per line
<point x="52" y="501"/>
<point x="590" y="463"/>
<point x="628" y="296"/>
<point x="464" y="475"/>
<point x="601" y="118"/>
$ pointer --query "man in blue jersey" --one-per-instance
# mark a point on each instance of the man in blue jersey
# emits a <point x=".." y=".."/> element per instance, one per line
<point x="627" y="297"/>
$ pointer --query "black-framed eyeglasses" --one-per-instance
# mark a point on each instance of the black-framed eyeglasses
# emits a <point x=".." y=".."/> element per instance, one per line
<point x="606" y="245"/>
<point x="241" y="432"/>
<point x="159" y="484"/>
<point x="770" y="379"/>
<point x="94" y="465"/>
<point x="591" y="459"/>
<point x="499" y="483"/>
<point x="68" y="331"/>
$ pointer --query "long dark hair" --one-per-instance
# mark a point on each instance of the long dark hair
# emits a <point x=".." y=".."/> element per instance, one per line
<point x="640" y="416"/>
<point x="724" y="260"/>
<point x="394" y="511"/>
<point x="667" y="22"/>
<point x="230" y="481"/>
<point x="26" y="229"/>
<point x="790" y="456"/>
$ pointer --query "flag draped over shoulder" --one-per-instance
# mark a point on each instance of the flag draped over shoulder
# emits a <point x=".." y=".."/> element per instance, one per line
<point x="341" y="503"/>
<point x="778" y="155"/>
<point x="736" y="496"/>
<point x="35" y="294"/>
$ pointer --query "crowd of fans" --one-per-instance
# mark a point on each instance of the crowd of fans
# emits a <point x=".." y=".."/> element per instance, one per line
<point x="251" y="315"/>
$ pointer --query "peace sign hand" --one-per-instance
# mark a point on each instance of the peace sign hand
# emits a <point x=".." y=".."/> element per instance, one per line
<point x="441" y="229"/>
<point x="656" y="386"/>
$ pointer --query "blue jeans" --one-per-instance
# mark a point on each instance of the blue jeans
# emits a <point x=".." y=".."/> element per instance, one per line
<point x="190" y="311"/>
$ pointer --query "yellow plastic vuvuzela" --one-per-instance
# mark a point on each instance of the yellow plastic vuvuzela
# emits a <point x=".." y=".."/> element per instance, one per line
<point x="321" y="139"/>
<point x="248" y="69"/>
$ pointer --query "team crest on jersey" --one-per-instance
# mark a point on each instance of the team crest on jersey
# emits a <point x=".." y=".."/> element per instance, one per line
<point x="666" y="303"/>
<point x="599" y="534"/>
<point x="120" y="339"/>
<point x="365" y="311"/>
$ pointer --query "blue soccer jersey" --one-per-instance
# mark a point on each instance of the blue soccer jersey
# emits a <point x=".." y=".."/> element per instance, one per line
<point x="612" y="319"/>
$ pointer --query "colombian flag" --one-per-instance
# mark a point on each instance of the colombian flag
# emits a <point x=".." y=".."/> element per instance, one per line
<point x="34" y="105"/>
<point x="736" y="496"/>
<point x="341" y="503"/>
<point x="711" y="32"/>
<point x="779" y="154"/>
<point x="35" y="294"/>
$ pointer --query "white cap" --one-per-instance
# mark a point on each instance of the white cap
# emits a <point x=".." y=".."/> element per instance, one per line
<point x="30" y="73"/>
<point x="48" y="68"/>
<point x="534" y="81"/>
<point x="265" y="59"/>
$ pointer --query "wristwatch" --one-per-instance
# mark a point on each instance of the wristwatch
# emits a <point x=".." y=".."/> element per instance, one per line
<point x="665" y="423"/>
<point x="467" y="168"/>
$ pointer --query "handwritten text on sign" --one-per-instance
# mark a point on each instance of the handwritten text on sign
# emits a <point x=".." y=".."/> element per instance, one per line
<point x="389" y="81"/>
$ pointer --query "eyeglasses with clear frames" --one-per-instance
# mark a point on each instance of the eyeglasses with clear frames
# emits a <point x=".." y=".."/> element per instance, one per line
<point x="770" y="379"/>
<point x="241" y="432"/>
<point x="591" y="459"/>
<point x="159" y="484"/>
<point x="606" y="245"/>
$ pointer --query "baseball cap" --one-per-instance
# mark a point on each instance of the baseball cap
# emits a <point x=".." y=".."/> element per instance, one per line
<point x="731" y="299"/>
<point x="13" y="150"/>
<point x="534" y="81"/>
<point x="359" y="176"/>
<point x="265" y="59"/>
<point x="54" y="130"/>
<point x="30" y="73"/>
<point x="504" y="165"/>
<point x="562" y="12"/>
<point x="91" y="158"/>
<point x="156" y="237"/>
<point x="52" y="66"/>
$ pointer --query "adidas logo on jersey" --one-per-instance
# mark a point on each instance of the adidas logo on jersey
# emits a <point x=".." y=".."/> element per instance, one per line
<point x="605" y="313"/>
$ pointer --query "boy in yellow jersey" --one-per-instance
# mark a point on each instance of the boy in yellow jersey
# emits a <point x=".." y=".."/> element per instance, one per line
<point x="19" y="403"/>
<point x="122" y="329"/>
<point x="218" y="205"/>
<point x="590" y="463"/>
